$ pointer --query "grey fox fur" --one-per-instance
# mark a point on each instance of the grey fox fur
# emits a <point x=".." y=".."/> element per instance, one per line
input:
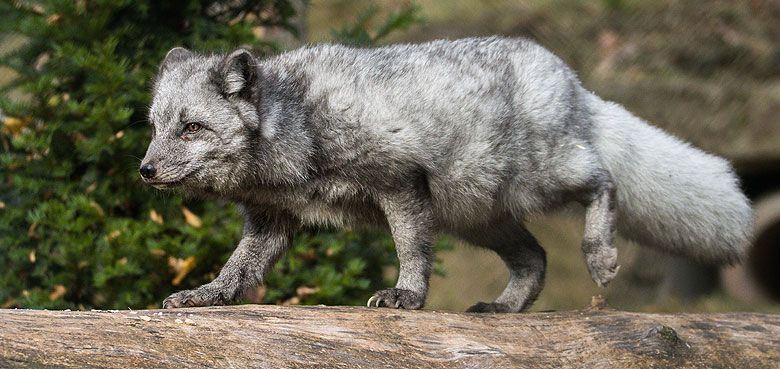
<point x="468" y="137"/>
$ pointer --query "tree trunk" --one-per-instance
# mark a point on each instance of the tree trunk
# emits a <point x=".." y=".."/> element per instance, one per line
<point x="354" y="337"/>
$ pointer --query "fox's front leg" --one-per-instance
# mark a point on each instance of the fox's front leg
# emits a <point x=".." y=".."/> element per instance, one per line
<point x="266" y="237"/>
<point x="410" y="218"/>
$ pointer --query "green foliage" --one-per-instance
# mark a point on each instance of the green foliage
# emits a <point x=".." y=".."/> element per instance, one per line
<point x="77" y="227"/>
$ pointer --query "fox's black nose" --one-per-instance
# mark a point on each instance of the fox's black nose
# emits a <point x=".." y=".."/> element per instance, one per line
<point x="148" y="171"/>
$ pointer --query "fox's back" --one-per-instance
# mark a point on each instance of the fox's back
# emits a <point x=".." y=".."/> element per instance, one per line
<point x="473" y="114"/>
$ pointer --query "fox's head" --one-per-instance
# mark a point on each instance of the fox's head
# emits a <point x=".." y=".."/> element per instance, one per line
<point x="203" y="116"/>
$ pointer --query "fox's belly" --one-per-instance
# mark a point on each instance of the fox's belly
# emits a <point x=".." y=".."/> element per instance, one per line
<point x="319" y="214"/>
<point x="339" y="215"/>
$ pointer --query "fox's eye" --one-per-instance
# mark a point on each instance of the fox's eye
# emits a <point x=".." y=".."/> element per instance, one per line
<point x="192" y="127"/>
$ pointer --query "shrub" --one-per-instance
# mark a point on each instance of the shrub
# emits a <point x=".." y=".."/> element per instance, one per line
<point x="77" y="227"/>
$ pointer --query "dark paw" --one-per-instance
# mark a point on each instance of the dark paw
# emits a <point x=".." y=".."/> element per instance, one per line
<point x="493" y="307"/>
<point x="196" y="297"/>
<point x="397" y="298"/>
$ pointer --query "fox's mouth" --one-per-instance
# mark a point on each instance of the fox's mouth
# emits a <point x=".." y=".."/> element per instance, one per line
<point x="164" y="185"/>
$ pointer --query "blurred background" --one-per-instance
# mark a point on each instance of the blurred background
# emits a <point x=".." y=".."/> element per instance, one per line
<point x="79" y="230"/>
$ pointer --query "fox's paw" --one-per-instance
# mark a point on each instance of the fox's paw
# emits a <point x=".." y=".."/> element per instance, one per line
<point x="397" y="298"/>
<point x="605" y="275"/>
<point x="602" y="263"/>
<point x="493" y="307"/>
<point x="196" y="297"/>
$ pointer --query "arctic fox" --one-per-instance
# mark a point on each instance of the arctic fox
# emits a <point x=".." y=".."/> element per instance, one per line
<point x="468" y="137"/>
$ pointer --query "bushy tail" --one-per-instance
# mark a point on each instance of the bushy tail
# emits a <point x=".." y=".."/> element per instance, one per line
<point x="670" y="195"/>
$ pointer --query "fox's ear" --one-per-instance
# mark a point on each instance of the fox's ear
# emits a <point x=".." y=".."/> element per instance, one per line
<point x="176" y="55"/>
<point x="237" y="72"/>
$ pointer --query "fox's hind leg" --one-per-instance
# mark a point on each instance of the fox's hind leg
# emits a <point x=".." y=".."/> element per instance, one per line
<point x="522" y="255"/>
<point x="597" y="243"/>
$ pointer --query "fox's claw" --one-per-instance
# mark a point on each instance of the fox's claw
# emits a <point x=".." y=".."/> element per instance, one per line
<point x="202" y="296"/>
<point x="396" y="298"/>
<point x="187" y="298"/>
